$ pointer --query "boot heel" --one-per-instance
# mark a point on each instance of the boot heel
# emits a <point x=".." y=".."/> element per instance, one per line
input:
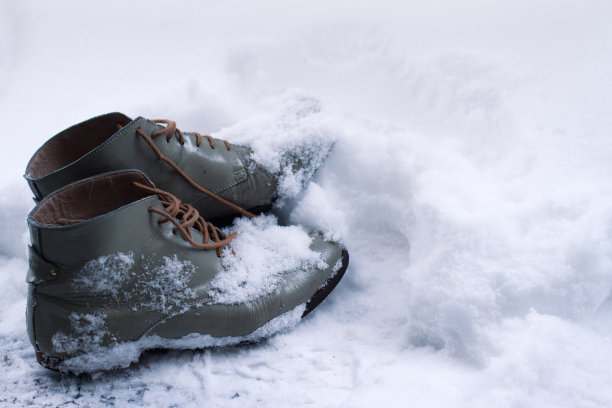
<point x="46" y="361"/>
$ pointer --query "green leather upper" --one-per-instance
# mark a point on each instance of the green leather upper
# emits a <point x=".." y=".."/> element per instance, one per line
<point x="133" y="295"/>
<point x="231" y="174"/>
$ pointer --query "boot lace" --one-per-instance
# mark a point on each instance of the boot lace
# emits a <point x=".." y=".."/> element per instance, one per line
<point x="171" y="131"/>
<point x="185" y="218"/>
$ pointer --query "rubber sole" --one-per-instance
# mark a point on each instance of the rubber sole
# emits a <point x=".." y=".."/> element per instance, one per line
<point x="53" y="363"/>
<point x="328" y="286"/>
<point x="49" y="362"/>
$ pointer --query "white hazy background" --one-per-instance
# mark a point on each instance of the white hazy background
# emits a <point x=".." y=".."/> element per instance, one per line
<point x="471" y="183"/>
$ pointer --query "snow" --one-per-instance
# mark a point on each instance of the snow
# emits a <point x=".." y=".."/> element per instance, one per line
<point x="263" y="254"/>
<point x="104" y="275"/>
<point x="469" y="181"/>
<point x="89" y="329"/>
<point x="165" y="285"/>
<point x="295" y="131"/>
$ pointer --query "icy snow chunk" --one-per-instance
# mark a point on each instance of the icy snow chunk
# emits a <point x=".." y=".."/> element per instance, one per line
<point x="264" y="253"/>
<point x="292" y="140"/>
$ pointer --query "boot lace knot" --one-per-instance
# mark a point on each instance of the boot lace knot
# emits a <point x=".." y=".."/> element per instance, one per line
<point x="185" y="218"/>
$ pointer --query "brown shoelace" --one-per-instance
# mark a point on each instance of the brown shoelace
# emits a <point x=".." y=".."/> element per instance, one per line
<point x="171" y="131"/>
<point x="185" y="217"/>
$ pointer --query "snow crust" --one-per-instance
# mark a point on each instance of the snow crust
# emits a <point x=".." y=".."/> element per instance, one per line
<point x="88" y="331"/>
<point x="166" y="286"/>
<point x="158" y="286"/>
<point x="104" y="275"/>
<point x="469" y="179"/>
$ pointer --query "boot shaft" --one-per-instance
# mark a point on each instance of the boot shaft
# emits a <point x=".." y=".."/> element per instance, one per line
<point x="101" y="267"/>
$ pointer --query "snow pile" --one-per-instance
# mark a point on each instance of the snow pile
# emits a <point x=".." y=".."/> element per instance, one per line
<point x="292" y="140"/>
<point x="265" y="253"/>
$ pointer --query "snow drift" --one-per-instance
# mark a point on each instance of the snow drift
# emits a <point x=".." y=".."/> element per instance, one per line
<point x="469" y="182"/>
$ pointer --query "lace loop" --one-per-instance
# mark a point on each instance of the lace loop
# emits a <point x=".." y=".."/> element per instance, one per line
<point x="189" y="218"/>
<point x="171" y="130"/>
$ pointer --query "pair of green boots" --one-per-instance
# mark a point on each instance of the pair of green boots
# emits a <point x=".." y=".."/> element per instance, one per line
<point x="124" y="256"/>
